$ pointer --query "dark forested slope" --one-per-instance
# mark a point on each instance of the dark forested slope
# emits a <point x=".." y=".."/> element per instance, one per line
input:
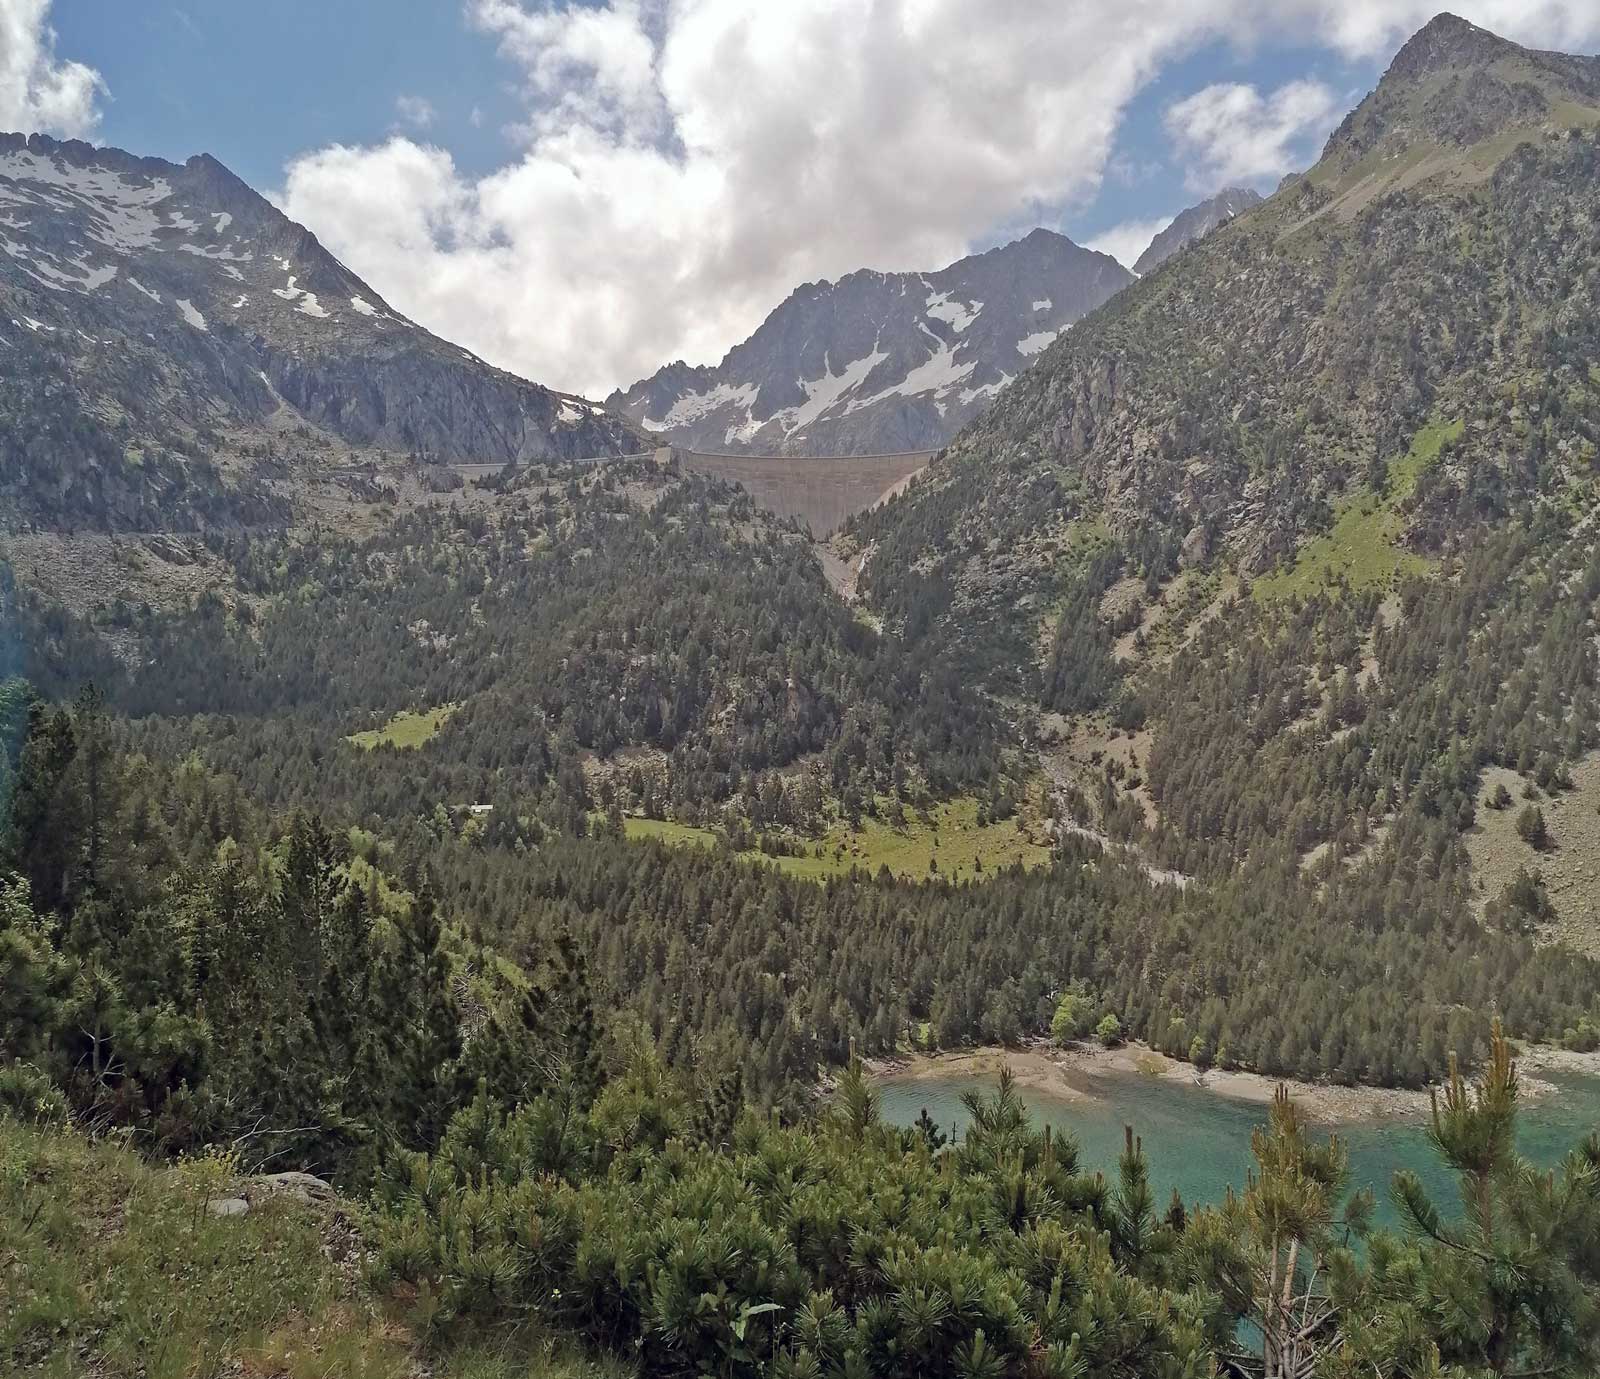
<point x="618" y="617"/>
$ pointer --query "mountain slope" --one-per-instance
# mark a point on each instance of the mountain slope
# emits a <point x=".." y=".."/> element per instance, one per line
<point x="879" y="363"/>
<point x="154" y="317"/>
<point x="1429" y="263"/>
<point x="1195" y="223"/>
<point x="1299" y="540"/>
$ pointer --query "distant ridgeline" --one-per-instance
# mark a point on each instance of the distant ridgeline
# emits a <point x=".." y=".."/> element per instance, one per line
<point x="180" y="354"/>
<point x="878" y="363"/>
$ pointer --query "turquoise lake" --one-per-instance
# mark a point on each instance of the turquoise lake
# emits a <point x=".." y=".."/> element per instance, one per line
<point x="1199" y="1141"/>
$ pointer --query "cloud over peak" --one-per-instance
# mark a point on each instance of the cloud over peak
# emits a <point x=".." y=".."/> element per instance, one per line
<point x="682" y="164"/>
<point x="39" y="92"/>
<point x="681" y="168"/>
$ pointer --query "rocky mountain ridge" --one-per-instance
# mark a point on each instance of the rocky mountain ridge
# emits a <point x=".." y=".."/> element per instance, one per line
<point x="1195" y="223"/>
<point x="879" y="363"/>
<point x="161" y="315"/>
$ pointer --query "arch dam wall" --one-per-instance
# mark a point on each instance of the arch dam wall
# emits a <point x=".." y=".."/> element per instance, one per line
<point x="822" y="491"/>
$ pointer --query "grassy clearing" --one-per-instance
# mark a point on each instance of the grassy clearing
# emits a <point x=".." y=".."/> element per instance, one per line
<point x="112" y="1267"/>
<point x="673" y="834"/>
<point x="1363" y="546"/>
<point x="953" y="841"/>
<point x="404" y="730"/>
<point x="956" y="845"/>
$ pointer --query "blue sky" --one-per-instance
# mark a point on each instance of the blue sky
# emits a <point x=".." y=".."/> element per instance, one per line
<point x="257" y="85"/>
<point x="582" y="190"/>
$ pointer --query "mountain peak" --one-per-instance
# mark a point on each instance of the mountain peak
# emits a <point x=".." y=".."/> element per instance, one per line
<point x="1448" y="41"/>
<point x="171" y="302"/>
<point x="880" y="363"/>
<point x="1455" y="85"/>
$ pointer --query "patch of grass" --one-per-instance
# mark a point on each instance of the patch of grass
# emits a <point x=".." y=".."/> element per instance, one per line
<point x="112" y="1268"/>
<point x="953" y="841"/>
<point x="1363" y="545"/>
<point x="404" y="730"/>
<point x="117" y="1268"/>
<point x="670" y="833"/>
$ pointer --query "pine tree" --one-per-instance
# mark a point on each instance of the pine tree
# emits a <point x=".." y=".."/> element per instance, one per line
<point x="42" y="841"/>
<point x="1132" y="1205"/>
<point x="426" y="1024"/>
<point x="1514" y="1287"/>
<point x="311" y="888"/>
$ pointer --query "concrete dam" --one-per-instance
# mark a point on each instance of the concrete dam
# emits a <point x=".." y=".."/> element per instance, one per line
<point x="821" y="491"/>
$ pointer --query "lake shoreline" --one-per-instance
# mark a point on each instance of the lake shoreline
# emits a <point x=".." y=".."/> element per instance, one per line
<point x="1088" y="1072"/>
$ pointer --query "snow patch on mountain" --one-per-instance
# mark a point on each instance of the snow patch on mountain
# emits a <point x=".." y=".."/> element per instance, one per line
<point x="212" y="252"/>
<point x="938" y="373"/>
<point x="87" y="279"/>
<point x="119" y="207"/>
<point x="927" y="351"/>
<point x="308" y="305"/>
<point x="957" y="315"/>
<point x="693" y="406"/>
<point x="822" y="393"/>
<point x="187" y="311"/>
<point x="971" y="395"/>
<point x="742" y="433"/>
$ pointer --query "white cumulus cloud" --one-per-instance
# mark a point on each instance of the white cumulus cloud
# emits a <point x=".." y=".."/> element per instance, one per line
<point x="1229" y="132"/>
<point x="40" y="93"/>
<point x="681" y="165"/>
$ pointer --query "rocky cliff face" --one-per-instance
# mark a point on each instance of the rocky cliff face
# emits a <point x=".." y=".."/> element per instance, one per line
<point x="149" y="312"/>
<point x="1195" y="223"/>
<point x="879" y="363"/>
